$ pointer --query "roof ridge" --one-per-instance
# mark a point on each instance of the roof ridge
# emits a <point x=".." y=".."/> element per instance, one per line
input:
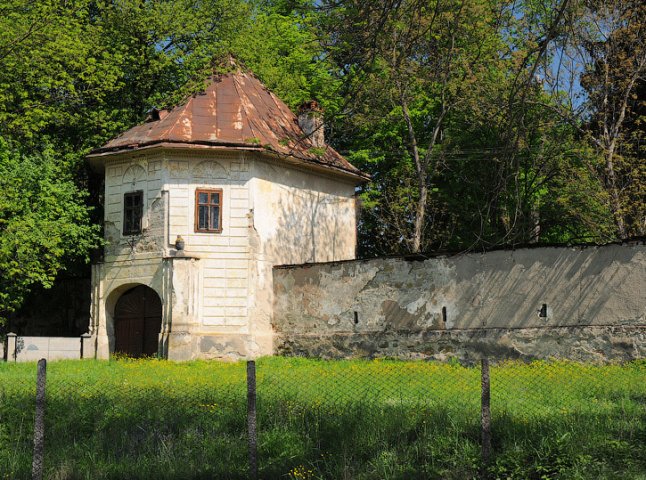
<point x="179" y="116"/>
<point x="263" y="101"/>
<point x="249" y="119"/>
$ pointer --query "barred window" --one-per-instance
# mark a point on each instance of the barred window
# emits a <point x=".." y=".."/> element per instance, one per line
<point x="208" y="211"/>
<point x="133" y="208"/>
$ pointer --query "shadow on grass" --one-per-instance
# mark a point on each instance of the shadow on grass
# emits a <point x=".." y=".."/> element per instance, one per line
<point x="142" y="436"/>
<point x="192" y="434"/>
<point x="366" y="440"/>
<point x="570" y="445"/>
<point x="369" y="441"/>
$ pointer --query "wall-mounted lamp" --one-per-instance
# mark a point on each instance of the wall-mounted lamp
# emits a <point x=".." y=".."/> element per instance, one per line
<point x="179" y="243"/>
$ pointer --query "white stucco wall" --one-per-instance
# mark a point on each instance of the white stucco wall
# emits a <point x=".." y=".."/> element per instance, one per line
<point x="301" y="216"/>
<point x="298" y="217"/>
<point x="31" y="349"/>
<point x="224" y="257"/>
<point x="123" y="175"/>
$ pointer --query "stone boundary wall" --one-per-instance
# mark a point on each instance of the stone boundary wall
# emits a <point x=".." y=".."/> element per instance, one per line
<point x="31" y="349"/>
<point x="580" y="303"/>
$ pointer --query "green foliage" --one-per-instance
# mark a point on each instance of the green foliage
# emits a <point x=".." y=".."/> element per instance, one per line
<point x="611" y="33"/>
<point x="505" y="167"/>
<point x="280" y="45"/>
<point x="82" y="71"/>
<point x="42" y="223"/>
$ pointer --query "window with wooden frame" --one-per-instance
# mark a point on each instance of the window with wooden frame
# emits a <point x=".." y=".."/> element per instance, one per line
<point x="208" y="211"/>
<point x="133" y="210"/>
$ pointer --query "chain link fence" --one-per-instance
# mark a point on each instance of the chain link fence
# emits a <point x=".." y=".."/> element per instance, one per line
<point x="313" y="419"/>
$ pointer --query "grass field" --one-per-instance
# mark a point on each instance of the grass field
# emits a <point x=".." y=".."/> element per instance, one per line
<point x="144" y="419"/>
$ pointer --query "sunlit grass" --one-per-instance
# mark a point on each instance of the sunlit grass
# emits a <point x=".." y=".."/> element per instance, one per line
<point x="377" y="419"/>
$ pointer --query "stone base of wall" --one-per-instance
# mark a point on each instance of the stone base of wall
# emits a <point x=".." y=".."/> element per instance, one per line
<point x="190" y="346"/>
<point x="581" y="343"/>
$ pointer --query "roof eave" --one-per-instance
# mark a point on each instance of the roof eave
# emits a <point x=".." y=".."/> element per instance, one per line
<point x="96" y="157"/>
<point x="357" y="178"/>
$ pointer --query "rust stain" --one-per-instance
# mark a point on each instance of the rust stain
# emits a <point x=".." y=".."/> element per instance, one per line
<point x="235" y="110"/>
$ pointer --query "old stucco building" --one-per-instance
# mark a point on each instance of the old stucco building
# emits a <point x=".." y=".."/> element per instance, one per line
<point x="200" y="203"/>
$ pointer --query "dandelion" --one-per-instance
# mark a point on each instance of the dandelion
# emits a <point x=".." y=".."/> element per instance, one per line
<point x="301" y="472"/>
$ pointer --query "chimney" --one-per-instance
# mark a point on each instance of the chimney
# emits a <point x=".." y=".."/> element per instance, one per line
<point x="155" y="114"/>
<point x="310" y="119"/>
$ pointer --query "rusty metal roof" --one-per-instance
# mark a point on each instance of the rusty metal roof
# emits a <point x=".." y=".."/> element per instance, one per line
<point x="235" y="110"/>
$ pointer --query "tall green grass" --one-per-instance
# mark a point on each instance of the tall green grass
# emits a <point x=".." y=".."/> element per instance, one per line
<point x="376" y="419"/>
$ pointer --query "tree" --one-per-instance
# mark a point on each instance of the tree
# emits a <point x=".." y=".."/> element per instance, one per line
<point x="82" y="71"/>
<point x="42" y="223"/>
<point x="424" y="60"/>
<point x="280" y="45"/>
<point x="598" y="85"/>
<point x="615" y="42"/>
<point x="447" y="108"/>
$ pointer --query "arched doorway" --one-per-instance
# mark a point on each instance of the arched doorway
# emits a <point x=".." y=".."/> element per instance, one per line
<point x="137" y="322"/>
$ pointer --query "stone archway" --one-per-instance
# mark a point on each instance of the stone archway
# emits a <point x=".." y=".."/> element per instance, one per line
<point x="137" y="322"/>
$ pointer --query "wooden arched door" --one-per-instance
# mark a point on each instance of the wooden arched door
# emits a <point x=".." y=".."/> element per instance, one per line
<point x="137" y="322"/>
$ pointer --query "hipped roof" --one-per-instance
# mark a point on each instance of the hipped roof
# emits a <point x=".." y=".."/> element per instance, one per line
<point x="235" y="110"/>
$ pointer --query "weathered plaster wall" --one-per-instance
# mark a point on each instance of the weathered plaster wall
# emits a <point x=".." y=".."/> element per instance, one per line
<point x="31" y="349"/>
<point x="130" y="174"/>
<point x="595" y="298"/>
<point x="112" y="279"/>
<point x="224" y="257"/>
<point x="298" y="216"/>
<point x="128" y="260"/>
<point x="169" y="182"/>
<point x="302" y="216"/>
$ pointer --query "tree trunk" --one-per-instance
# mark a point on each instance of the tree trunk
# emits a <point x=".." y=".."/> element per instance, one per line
<point x="615" y="200"/>
<point x="420" y="213"/>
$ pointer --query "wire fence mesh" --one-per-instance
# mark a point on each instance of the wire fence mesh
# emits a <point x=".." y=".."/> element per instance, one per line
<point x="381" y="419"/>
<point x="349" y="419"/>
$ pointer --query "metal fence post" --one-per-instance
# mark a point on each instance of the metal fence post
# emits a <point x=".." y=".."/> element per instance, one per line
<point x="39" y="422"/>
<point x="485" y="416"/>
<point x="251" y="420"/>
